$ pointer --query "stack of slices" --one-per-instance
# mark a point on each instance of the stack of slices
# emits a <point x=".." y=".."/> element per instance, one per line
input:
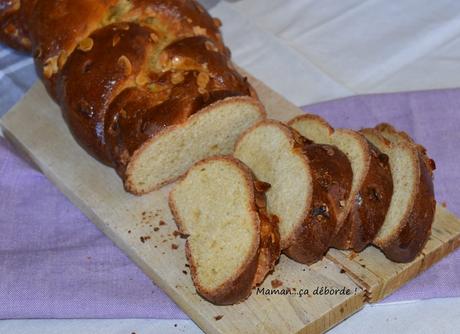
<point x="301" y="188"/>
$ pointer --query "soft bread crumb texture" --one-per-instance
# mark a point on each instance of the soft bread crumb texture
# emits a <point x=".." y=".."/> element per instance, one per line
<point x="213" y="203"/>
<point x="346" y="141"/>
<point x="170" y="154"/>
<point x="405" y="177"/>
<point x="268" y="151"/>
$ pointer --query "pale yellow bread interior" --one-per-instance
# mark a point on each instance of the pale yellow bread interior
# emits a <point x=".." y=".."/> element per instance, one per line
<point x="268" y="149"/>
<point x="214" y="204"/>
<point x="212" y="131"/>
<point x="405" y="172"/>
<point x="349" y="142"/>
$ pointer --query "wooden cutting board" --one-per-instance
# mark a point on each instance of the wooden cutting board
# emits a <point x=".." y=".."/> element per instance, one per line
<point x="143" y="228"/>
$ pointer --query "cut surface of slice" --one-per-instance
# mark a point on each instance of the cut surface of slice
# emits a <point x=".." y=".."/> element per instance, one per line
<point x="269" y="149"/>
<point x="408" y="222"/>
<point x="232" y="243"/>
<point x="372" y="187"/>
<point x="308" y="183"/>
<point x="210" y="132"/>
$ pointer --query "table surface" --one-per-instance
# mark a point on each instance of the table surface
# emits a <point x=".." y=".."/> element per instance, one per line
<point x="312" y="51"/>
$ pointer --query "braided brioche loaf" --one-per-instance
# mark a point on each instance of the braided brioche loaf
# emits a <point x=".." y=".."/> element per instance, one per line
<point x="129" y="75"/>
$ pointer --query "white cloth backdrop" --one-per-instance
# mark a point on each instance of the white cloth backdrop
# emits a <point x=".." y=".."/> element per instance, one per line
<point x="316" y="50"/>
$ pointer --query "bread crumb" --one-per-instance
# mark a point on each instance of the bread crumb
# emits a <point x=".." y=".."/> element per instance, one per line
<point x="444" y="204"/>
<point x="156" y="229"/>
<point x="180" y="234"/>
<point x="129" y="231"/>
<point x="352" y="255"/>
<point x="162" y="223"/>
<point x="174" y="246"/>
<point x="184" y="272"/>
<point x="218" y="317"/>
<point x="276" y="283"/>
<point x="342" y="271"/>
<point x="144" y="238"/>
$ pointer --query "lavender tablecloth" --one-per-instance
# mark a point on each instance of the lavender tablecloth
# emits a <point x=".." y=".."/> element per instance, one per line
<point x="54" y="263"/>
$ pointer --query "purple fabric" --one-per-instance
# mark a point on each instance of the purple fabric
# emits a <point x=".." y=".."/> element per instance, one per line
<point x="55" y="264"/>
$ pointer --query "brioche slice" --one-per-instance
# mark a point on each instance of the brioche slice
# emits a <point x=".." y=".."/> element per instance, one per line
<point x="408" y="222"/>
<point x="168" y="154"/>
<point x="370" y="196"/>
<point x="308" y="184"/>
<point x="232" y="242"/>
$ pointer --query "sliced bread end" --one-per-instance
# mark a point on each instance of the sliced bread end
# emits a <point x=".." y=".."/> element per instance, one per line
<point x="210" y="132"/>
<point x="407" y="224"/>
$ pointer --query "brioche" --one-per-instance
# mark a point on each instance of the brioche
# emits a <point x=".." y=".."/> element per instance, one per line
<point x="232" y="242"/>
<point x="372" y="186"/>
<point x="407" y="225"/>
<point x="129" y="74"/>
<point x="309" y="182"/>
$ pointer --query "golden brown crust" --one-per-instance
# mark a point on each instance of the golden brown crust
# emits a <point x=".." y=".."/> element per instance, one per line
<point x="330" y="131"/>
<point x="414" y="230"/>
<point x="269" y="246"/>
<point x="192" y="78"/>
<point x="371" y="194"/>
<point x="170" y="19"/>
<point x="14" y="30"/>
<point x="122" y="70"/>
<point x="370" y="206"/>
<point x="265" y="250"/>
<point x="92" y="78"/>
<point x="332" y="178"/>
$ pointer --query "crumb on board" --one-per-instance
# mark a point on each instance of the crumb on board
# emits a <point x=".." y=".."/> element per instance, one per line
<point x="156" y="229"/>
<point x="144" y="238"/>
<point x="342" y="271"/>
<point x="218" y="317"/>
<point x="162" y="223"/>
<point x="174" y="246"/>
<point x="177" y="233"/>
<point x="129" y="231"/>
<point x="352" y="255"/>
<point x="444" y="204"/>
<point x="184" y="272"/>
<point x="276" y="283"/>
